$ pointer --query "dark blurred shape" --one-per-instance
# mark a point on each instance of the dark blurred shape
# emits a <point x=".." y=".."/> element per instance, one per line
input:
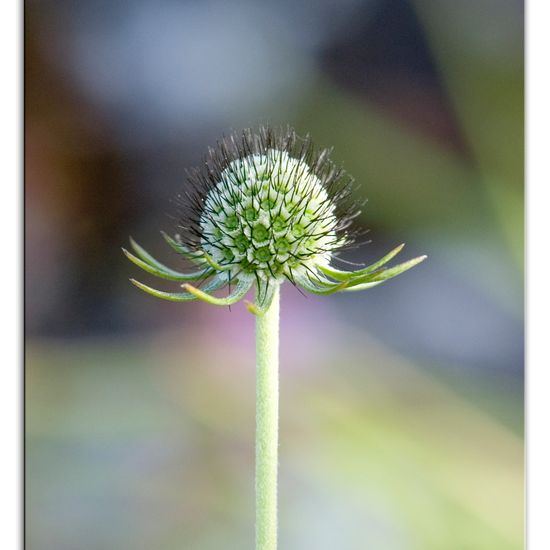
<point x="387" y="59"/>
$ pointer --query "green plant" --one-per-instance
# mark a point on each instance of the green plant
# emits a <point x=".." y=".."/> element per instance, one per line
<point x="267" y="207"/>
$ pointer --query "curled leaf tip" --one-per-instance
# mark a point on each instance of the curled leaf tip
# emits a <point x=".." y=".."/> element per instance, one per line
<point x="237" y="293"/>
<point x="251" y="307"/>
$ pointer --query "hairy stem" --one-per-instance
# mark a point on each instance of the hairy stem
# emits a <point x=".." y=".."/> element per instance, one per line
<point x="267" y="429"/>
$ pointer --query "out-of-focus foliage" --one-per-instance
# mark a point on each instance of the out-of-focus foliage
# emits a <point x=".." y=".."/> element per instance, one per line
<point x="150" y="446"/>
<point x="402" y="410"/>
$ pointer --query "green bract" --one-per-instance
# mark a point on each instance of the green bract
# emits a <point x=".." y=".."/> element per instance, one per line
<point x="267" y="207"/>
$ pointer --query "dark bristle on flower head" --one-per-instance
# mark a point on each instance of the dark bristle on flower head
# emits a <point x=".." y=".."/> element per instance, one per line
<point x="266" y="206"/>
<point x="236" y="146"/>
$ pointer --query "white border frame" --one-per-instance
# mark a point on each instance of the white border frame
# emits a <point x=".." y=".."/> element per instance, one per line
<point x="11" y="373"/>
<point x="538" y="273"/>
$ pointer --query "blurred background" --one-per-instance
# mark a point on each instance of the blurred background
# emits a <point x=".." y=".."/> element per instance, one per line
<point x="402" y="407"/>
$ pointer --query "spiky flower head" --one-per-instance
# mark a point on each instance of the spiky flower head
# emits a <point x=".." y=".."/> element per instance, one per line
<point x="264" y="208"/>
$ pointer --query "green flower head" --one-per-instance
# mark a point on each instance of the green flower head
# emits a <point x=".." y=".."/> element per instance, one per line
<point x="265" y="207"/>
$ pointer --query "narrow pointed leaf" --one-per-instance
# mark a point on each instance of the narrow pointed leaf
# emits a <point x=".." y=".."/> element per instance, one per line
<point x="318" y="287"/>
<point x="383" y="261"/>
<point x="166" y="273"/>
<point x="239" y="292"/>
<point x="212" y="263"/>
<point x="362" y="286"/>
<point x="180" y="248"/>
<point x="214" y="284"/>
<point x="384" y="274"/>
<point x="147" y="258"/>
<point x="341" y="275"/>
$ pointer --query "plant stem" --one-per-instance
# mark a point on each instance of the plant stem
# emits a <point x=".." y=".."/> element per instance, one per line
<point x="267" y="425"/>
